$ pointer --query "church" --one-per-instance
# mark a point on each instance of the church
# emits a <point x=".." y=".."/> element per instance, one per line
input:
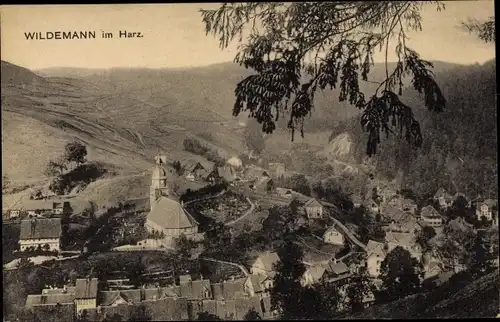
<point x="166" y="213"/>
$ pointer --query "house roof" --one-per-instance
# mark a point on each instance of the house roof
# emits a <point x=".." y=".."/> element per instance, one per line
<point x="313" y="257"/>
<point x="490" y="202"/>
<point x="374" y="247"/>
<point x="190" y="164"/>
<point x="195" y="289"/>
<point x="339" y="268"/>
<point x="406" y="239"/>
<point x="169" y="214"/>
<point x="168" y="309"/>
<point x="40" y="299"/>
<point x="185" y="279"/>
<point x="40" y="228"/>
<point x="313" y="203"/>
<point x="257" y="281"/>
<point x="86" y="288"/>
<point x="28" y="204"/>
<point x="233" y="288"/>
<point x="394" y="213"/>
<point x="429" y="212"/>
<point x="262" y="181"/>
<point x="331" y="229"/>
<point x="268" y="259"/>
<point x="316" y="272"/>
<point x="459" y="224"/>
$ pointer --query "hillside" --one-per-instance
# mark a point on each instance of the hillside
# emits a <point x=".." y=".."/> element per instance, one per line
<point x="477" y="299"/>
<point x="459" y="151"/>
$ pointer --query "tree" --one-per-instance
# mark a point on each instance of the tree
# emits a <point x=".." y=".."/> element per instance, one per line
<point x="400" y="274"/>
<point x="424" y="236"/>
<point x="477" y="261"/>
<point x="184" y="247"/>
<point x="178" y="168"/>
<point x="458" y="208"/>
<point x="286" y="292"/>
<point x="252" y="315"/>
<point x="306" y="47"/>
<point x="58" y="185"/>
<point x="218" y="238"/>
<point x="75" y="152"/>
<point x="141" y="313"/>
<point x="485" y="30"/>
<point x="299" y="183"/>
<point x="205" y="316"/>
<point x="357" y="290"/>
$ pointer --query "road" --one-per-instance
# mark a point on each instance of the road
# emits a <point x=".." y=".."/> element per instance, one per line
<point x="241" y="267"/>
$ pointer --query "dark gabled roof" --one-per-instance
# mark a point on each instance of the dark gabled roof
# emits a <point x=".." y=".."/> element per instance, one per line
<point x="233" y="288"/>
<point x="132" y="295"/>
<point x="44" y="299"/>
<point x="86" y="288"/>
<point x="168" y="309"/>
<point x="61" y="313"/>
<point x="107" y="298"/>
<point x="40" y="228"/>
<point x="171" y="291"/>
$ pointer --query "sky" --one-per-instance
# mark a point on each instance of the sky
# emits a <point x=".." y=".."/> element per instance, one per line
<point x="174" y="35"/>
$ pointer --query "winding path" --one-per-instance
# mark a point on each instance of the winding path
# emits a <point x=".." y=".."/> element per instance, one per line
<point x="249" y="211"/>
<point x="241" y="267"/>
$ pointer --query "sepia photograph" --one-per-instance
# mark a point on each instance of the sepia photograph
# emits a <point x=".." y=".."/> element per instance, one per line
<point x="331" y="160"/>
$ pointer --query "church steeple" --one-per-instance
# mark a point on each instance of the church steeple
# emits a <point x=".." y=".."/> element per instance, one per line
<point x="159" y="186"/>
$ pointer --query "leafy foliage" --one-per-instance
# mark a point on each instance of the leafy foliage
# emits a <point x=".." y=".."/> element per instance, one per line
<point x="296" y="49"/>
<point x="75" y="152"/>
<point x="285" y="294"/>
<point x="205" y="316"/>
<point x="424" y="236"/>
<point x="254" y="140"/>
<point x="485" y="30"/>
<point x="184" y="247"/>
<point x="400" y="274"/>
<point x="252" y="315"/>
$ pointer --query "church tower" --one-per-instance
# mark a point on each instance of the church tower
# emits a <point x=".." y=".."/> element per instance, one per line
<point x="159" y="186"/>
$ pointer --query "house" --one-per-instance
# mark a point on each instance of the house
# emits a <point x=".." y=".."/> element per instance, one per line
<point x="431" y="216"/>
<point x="37" y="208"/>
<point x="264" y="264"/>
<point x="195" y="169"/>
<point x="376" y="253"/>
<point x="432" y="266"/>
<point x="443" y="198"/>
<point x="405" y="224"/>
<point x="313" y="275"/>
<point x="40" y="233"/>
<point x="51" y="297"/>
<point x="333" y="236"/>
<point x="285" y="193"/>
<point x="486" y="209"/>
<point x="86" y="293"/>
<point x="253" y="172"/>
<point x="371" y="205"/>
<point x="357" y="201"/>
<point x="386" y="194"/>
<point x="336" y="271"/>
<point x="211" y="176"/>
<point x="313" y="209"/>
<point x="404" y="204"/>
<point x="277" y="169"/>
<point x="394" y="214"/>
<point x="404" y="240"/>
<point x="315" y="257"/>
<point x="258" y="284"/>
<point x="226" y="173"/>
<point x="263" y="185"/>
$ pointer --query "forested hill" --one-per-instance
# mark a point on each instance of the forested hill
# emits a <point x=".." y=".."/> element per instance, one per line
<point x="459" y="151"/>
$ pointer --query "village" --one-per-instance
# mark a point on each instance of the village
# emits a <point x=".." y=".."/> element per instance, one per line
<point x="244" y="203"/>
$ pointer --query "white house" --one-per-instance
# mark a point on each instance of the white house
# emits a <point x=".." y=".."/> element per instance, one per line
<point x="43" y="233"/>
<point x="333" y="236"/>
<point x="431" y="216"/>
<point x="486" y="209"/>
<point x="375" y="255"/>
<point x="313" y="209"/>
<point x="86" y="293"/>
<point x="264" y="264"/>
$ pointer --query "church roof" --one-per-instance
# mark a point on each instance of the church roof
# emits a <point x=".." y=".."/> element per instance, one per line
<point x="169" y="214"/>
